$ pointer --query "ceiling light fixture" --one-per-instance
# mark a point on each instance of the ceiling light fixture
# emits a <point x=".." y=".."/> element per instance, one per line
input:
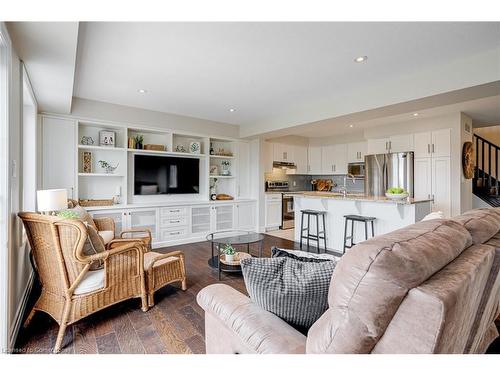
<point x="361" y="59"/>
<point x="351" y="126"/>
<point x="232" y="110"/>
<point x="142" y="91"/>
<point x="415" y="114"/>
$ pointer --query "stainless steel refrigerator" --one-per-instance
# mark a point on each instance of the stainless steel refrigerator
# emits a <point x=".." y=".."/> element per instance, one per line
<point x="383" y="171"/>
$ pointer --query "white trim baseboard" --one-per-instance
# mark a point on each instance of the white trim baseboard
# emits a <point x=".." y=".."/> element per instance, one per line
<point x="21" y="309"/>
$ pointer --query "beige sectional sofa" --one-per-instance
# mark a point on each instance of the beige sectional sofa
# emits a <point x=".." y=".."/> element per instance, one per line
<point x="432" y="287"/>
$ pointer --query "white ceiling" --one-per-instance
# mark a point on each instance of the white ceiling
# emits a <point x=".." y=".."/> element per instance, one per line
<point x="266" y="71"/>
<point x="48" y="50"/>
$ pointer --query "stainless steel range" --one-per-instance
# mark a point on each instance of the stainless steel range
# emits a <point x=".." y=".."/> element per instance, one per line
<point x="287" y="209"/>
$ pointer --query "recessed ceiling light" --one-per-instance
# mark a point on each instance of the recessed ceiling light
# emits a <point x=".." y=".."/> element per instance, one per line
<point x="351" y="126"/>
<point x="415" y="114"/>
<point x="361" y="59"/>
<point x="142" y="91"/>
<point x="232" y="110"/>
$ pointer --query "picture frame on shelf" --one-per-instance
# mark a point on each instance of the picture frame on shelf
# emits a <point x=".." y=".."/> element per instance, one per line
<point x="87" y="162"/>
<point x="214" y="170"/>
<point x="107" y="138"/>
<point x="195" y="147"/>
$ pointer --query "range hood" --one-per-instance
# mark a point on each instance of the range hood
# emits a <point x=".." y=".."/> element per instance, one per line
<point x="284" y="165"/>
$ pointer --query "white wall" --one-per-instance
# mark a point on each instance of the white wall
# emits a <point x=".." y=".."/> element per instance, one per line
<point x="93" y="110"/>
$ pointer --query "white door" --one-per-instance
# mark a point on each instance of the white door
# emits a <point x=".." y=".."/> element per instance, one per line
<point x="273" y="214"/>
<point x="422" y="144"/>
<point x="245" y="215"/>
<point x="327" y="160"/>
<point x="441" y="185"/>
<point x="423" y="178"/>
<point x="441" y="143"/>
<point x="401" y="143"/>
<point x="300" y="159"/>
<point x="356" y="152"/>
<point x="144" y="219"/>
<point x="339" y="156"/>
<point x="314" y="159"/>
<point x="59" y="154"/>
<point x="377" y="146"/>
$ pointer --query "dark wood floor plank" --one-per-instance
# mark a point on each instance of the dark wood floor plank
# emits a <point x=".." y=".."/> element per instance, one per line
<point x="108" y="344"/>
<point x="174" y="325"/>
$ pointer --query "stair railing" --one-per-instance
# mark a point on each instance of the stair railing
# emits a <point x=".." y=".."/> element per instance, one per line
<point x="485" y="152"/>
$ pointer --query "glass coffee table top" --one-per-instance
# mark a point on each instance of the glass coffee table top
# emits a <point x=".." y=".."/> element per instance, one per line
<point x="235" y="237"/>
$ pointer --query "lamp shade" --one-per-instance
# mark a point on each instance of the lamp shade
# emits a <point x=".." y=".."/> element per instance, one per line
<point x="52" y="200"/>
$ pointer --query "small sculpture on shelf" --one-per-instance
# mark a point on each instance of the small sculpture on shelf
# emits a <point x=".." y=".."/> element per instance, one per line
<point x="180" y="148"/>
<point x="87" y="162"/>
<point x="108" y="168"/>
<point x="87" y="141"/>
<point x="225" y="168"/>
<point x="213" y="190"/>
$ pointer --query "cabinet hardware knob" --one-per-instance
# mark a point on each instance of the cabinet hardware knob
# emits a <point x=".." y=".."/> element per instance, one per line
<point x="428" y="148"/>
<point x="433" y="148"/>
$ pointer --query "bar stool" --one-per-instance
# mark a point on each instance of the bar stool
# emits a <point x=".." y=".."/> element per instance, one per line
<point x="352" y="219"/>
<point x="320" y="235"/>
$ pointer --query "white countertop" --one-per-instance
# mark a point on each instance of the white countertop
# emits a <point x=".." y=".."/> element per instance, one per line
<point x="167" y="204"/>
<point x="356" y="197"/>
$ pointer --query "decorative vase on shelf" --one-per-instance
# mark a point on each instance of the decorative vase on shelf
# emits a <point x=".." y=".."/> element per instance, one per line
<point x="138" y="146"/>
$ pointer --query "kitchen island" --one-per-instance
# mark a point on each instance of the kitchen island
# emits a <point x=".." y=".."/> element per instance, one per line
<point x="390" y="214"/>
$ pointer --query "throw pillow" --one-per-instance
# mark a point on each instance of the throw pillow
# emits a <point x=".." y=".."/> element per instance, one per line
<point x="94" y="245"/>
<point x="295" y="291"/>
<point x="303" y="256"/>
<point x="83" y="215"/>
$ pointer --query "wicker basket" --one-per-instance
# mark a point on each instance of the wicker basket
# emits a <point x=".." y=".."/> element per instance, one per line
<point x="154" y="147"/>
<point x="95" y="202"/>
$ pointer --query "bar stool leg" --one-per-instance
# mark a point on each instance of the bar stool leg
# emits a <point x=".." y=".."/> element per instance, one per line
<point x="301" y="228"/>
<point x="324" y="232"/>
<point x="352" y="233"/>
<point x="373" y="233"/>
<point x="366" y="230"/>
<point x="345" y="234"/>
<point x="308" y="230"/>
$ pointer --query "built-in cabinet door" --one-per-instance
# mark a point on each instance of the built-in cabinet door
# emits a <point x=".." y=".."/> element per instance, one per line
<point x="282" y="152"/>
<point x="273" y="214"/>
<point x="245" y="215"/>
<point x="356" y="152"/>
<point x="118" y="217"/>
<point x="314" y="160"/>
<point x="224" y="217"/>
<point x="441" y="143"/>
<point x="441" y="174"/>
<point x="59" y="154"/>
<point x="423" y="178"/>
<point x="300" y="159"/>
<point x="377" y="146"/>
<point x="143" y="219"/>
<point x="422" y="144"/>
<point x="401" y="143"/>
<point x="339" y="156"/>
<point x="201" y="219"/>
<point x="327" y="160"/>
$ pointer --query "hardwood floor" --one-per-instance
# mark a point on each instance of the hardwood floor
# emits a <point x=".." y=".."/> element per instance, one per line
<point x="174" y="325"/>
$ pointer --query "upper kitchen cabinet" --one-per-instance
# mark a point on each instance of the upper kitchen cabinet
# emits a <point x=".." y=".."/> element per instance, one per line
<point x="356" y="152"/>
<point x="314" y="160"/>
<point x="436" y="143"/>
<point x="401" y="143"/>
<point x="377" y="146"/>
<point x="334" y="159"/>
<point x="283" y="152"/>
<point x="300" y="159"/>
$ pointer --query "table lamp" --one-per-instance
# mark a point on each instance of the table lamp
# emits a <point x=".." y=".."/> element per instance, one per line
<point x="52" y="200"/>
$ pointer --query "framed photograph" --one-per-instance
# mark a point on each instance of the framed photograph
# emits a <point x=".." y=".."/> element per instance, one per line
<point x="87" y="162"/>
<point x="107" y="138"/>
<point x="195" y="147"/>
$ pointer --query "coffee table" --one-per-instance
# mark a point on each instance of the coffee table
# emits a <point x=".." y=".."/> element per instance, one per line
<point x="235" y="238"/>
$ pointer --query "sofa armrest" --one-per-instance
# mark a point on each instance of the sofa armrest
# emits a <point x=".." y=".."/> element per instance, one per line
<point x="258" y="330"/>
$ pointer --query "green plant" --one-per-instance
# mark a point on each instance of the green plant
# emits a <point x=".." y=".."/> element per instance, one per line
<point x="229" y="250"/>
<point x="395" y="190"/>
<point x="104" y="164"/>
<point x="139" y="138"/>
<point x="67" y="214"/>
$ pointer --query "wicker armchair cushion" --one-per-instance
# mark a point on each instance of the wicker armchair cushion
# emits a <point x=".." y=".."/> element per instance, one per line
<point x="83" y="215"/>
<point x="150" y="257"/>
<point x="106" y="235"/>
<point x="93" y="280"/>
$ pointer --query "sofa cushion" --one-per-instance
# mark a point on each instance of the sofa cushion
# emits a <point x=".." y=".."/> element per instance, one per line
<point x="295" y="291"/>
<point x="372" y="279"/>
<point x="482" y="223"/>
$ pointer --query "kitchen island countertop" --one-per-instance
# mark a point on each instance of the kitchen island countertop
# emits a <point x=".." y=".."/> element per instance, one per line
<point x="356" y="197"/>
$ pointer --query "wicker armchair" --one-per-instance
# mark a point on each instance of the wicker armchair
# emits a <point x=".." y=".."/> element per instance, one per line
<point x="70" y="291"/>
<point x="107" y="224"/>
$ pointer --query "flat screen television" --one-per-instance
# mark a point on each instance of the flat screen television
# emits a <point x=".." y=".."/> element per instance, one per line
<point x="157" y="174"/>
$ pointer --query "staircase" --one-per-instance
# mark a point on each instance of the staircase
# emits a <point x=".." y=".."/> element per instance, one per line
<point x="486" y="184"/>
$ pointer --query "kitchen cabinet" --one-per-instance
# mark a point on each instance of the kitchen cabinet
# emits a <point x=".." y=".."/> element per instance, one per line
<point x="300" y="159"/>
<point x="422" y="186"/>
<point x="245" y="215"/>
<point x="397" y="143"/>
<point x="441" y="174"/>
<point x="334" y="159"/>
<point x="377" y="146"/>
<point x="283" y="152"/>
<point x="436" y="143"/>
<point x="272" y="211"/>
<point x="59" y="154"/>
<point x="356" y="152"/>
<point x="314" y="160"/>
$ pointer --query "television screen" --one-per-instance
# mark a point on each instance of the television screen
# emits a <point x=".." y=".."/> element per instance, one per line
<point x="155" y="175"/>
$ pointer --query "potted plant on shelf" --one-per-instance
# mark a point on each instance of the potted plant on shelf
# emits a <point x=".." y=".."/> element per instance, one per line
<point x="139" y="139"/>
<point x="229" y="253"/>
<point x="108" y="168"/>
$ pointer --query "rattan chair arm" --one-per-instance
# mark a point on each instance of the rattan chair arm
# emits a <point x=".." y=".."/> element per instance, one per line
<point x="142" y="230"/>
<point x="121" y="241"/>
<point x="117" y="250"/>
<point x="178" y="254"/>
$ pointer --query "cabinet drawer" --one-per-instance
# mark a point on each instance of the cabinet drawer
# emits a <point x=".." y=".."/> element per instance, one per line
<point x="173" y="211"/>
<point x="167" y="222"/>
<point x="173" y="233"/>
<point x="273" y="197"/>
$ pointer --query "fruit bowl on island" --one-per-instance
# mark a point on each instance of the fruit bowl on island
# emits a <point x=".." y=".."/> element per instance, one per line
<point x="396" y="193"/>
